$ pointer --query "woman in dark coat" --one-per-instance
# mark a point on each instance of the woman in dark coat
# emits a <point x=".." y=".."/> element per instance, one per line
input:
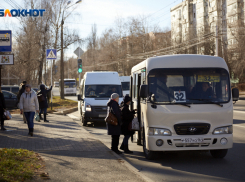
<point x="127" y="117"/>
<point x="112" y="130"/>
<point x="2" y="108"/>
<point x="44" y="104"/>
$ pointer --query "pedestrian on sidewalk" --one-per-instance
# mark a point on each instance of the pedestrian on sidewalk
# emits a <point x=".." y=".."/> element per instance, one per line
<point x="28" y="106"/>
<point x="127" y="117"/>
<point x="20" y="92"/>
<point x="2" y="108"/>
<point x="43" y="105"/>
<point x="112" y="130"/>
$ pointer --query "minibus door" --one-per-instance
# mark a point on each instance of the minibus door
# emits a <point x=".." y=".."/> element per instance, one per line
<point x="139" y="108"/>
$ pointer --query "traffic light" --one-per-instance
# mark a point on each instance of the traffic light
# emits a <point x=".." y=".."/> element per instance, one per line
<point x="79" y="65"/>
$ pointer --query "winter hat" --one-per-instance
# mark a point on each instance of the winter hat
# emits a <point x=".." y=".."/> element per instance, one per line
<point x="127" y="98"/>
<point x="114" y="96"/>
<point x="28" y="85"/>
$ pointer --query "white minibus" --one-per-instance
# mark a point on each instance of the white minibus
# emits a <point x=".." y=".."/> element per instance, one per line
<point x="95" y="90"/>
<point x="69" y="87"/>
<point x="125" y="84"/>
<point x="183" y="102"/>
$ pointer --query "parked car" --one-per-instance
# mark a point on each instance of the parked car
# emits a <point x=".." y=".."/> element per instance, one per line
<point x="10" y="99"/>
<point x="11" y="88"/>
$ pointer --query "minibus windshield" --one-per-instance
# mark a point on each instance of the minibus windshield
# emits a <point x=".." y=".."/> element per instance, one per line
<point x="102" y="91"/>
<point x="189" y="85"/>
<point x="125" y="85"/>
<point x="70" y="84"/>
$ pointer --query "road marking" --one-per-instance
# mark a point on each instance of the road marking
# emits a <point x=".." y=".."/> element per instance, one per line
<point x="239" y="126"/>
<point x="243" y="112"/>
<point x="72" y="116"/>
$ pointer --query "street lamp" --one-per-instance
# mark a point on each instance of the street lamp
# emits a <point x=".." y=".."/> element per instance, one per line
<point x="62" y="52"/>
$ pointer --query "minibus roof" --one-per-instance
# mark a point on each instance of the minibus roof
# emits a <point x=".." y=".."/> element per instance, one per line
<point x="181" y="61"/>
<point x="102" y="78"/>
<point x="125" y="78"/>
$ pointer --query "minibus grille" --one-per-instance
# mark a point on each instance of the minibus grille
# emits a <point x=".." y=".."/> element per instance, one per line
<point x="100" y="109"/>
<point x="192" y="128"/>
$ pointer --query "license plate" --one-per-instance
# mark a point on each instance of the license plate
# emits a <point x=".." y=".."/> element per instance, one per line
<point x="192" y="140"/>
<point x="102" y="115"/>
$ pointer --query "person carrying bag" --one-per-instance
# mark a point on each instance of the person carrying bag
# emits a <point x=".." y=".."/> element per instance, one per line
<point x="127" y="117"/>
<point x="113" y="128"/>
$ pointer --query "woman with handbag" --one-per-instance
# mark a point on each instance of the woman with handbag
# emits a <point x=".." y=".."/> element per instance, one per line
<point x="114" y="130"/>
<point x="2" y="108"/>
<point x="28" y="106"/>
<point x="43" y="104"/>
<point x="127" y="117"/>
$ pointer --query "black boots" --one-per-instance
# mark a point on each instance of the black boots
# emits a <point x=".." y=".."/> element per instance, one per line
<point x="40" y="116"/>
<point x="45" y="118"/>
<point x="125" y="148"/>
<point x="31" y="131"/>
<point x="2" y="128"/>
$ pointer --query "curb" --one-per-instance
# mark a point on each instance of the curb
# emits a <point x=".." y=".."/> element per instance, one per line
<point x="119" y="158"/>
<point x="66" y="111"/>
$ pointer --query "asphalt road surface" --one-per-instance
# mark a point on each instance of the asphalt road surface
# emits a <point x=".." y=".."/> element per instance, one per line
<point x="189" y="165"/>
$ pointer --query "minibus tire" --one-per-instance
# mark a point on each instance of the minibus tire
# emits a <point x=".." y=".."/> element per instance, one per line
<point x="219" y="153"/>
<point x="84" y="122"/>
<point x="148" y="154"/>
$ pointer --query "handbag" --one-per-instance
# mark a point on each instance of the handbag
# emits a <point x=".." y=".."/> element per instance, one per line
<point x="111" y="119"/>
<point x="7" y="115"/>
<point x="134" y="125"/>
<point x="40" y="98"/>
<point x="37" y="118"/>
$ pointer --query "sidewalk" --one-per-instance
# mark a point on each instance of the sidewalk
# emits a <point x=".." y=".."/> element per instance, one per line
<point x="70" y="152"/>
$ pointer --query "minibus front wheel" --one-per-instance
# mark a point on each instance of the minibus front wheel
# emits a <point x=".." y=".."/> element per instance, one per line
<point x="84" y="122"/>
<point x="148" y="154"/>
<point x="219" y="153"/>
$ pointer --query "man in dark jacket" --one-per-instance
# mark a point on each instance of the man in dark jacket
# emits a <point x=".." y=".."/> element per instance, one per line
<point x="20" y="92"/>
<point x="2" y="107"/>
<point x="43" y="105"/>
<point x="112" y="130"/>
<point x="127" y="117"/>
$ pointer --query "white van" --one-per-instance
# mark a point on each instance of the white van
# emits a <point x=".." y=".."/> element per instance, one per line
<point x="125" y="84"/>
<point x="183" y="102"/>
<point x="95" y="90"/>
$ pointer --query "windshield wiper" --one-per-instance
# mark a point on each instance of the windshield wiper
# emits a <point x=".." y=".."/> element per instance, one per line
<point x="183" y="104"/>
<point x="208" y="101"/>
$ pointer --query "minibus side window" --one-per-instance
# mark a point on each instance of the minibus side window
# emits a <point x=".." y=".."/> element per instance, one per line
<point x="136" y="86"/>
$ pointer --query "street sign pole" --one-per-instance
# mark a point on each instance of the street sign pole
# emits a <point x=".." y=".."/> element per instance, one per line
<point x="51" y="84"/>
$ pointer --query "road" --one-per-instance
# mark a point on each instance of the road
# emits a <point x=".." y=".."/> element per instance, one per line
<point x="188" y="166"/>
<point x="57" y="93"/>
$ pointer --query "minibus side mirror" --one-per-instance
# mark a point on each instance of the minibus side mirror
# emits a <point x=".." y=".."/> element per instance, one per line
<point x="235" y="94"/>
<point x="79" y="97"/>
<point x="143" y="91"/>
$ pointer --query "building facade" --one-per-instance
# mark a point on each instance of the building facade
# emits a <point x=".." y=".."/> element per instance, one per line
<point x="196" y="19"/>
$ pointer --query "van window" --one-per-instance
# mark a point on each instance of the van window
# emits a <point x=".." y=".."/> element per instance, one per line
<point x="15" y="90"/>
<point x="5" y="88"/>
<point x="102" y="91"/>
<point x="189" y="85"/>
<point x="125" y="85"/>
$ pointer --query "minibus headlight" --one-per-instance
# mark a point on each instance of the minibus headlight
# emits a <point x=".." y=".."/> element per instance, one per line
<point x="223" y="130"/>
<point x="88" y="108"/>
<point x="159" y="132"/>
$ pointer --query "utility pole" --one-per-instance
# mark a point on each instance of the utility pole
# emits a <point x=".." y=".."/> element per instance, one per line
<point x="62" y="64"/>
<point x="217" y="41"/>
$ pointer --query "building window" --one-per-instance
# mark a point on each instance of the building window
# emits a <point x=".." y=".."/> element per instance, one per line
<point x="194" y="15"/>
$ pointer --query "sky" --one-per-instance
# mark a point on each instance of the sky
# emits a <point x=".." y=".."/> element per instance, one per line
<point x="103" y="13"/>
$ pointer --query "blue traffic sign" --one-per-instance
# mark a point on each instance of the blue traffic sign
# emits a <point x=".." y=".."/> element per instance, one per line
<point x="51" y="54"/>
<point x="5" y="41"/>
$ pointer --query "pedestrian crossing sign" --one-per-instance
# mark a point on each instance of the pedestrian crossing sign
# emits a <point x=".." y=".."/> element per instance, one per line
<point x="51" y="54"/>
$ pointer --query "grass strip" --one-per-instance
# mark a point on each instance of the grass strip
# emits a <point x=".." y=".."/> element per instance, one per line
<point x="18" y="164"/>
